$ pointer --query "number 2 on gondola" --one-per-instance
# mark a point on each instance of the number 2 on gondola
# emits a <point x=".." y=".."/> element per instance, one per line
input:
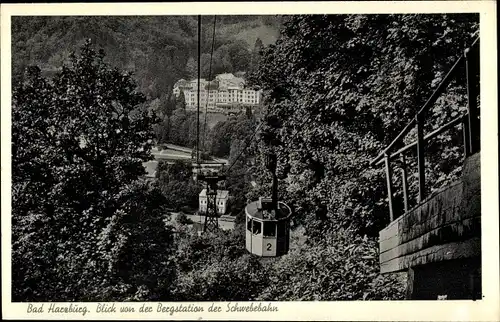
<point x="269" y="246"/>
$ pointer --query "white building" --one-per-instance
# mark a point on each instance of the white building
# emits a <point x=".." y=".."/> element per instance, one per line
<point x="150" y="168"/>
<point x="228" y="90"/>
<point x="221" y="201"/>
<point x="181" y="85"/>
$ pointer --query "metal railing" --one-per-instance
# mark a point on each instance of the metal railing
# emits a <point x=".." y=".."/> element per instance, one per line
<point x="470" y="125"/>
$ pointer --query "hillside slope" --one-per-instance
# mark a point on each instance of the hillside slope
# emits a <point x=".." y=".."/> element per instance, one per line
<point x="266" y="28"/>
<point x="159" y="50"/>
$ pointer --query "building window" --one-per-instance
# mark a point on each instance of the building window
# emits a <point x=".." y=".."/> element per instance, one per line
<point x="270" y="229"/>
<point x="257" y="227"/>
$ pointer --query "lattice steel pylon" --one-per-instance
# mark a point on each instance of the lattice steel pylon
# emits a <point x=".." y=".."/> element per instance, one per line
<point x="211" y="215"/>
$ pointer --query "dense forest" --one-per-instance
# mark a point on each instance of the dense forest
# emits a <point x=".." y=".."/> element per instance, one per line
<point x="159" y="50"/>
<point x="337" y="89"/>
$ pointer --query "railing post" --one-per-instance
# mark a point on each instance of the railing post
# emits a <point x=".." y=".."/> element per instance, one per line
<point x="466" y="135"/>
<point x="388" y="175"/>
<point x="420" y="156"/>
<point x="471" y="69"/>
<point x="404" y="177"/>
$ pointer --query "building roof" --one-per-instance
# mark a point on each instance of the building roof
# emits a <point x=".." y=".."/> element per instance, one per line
<point x="181" y="83"/>
<point x="202" y="80"/>
<point x="233" y="81"/>
<point x="238" y="80"/>
<point x="225" y="76"/>
<point x="221" y="194"/>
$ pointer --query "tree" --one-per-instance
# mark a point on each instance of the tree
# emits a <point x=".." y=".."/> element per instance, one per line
<point x="255" y="56"/>
<point x="177" y="185"/>
<point x="341" y="88"/>
<point x="138" y="248"/>
<point x="258" y="45"/>
<point x="192" y="68"/>
<point x="178" y="171"/>
<point x="177" y="120"/>
<point x="217" y="267"/>
<point x="239" y="55"/>
<point x="221" y="139"/>
<point x="248" y="112"/>
<point x="221" y="61"/>
<point x="338" y="99"/>
<point x="180" y="101"/>
<point x="224" y="133"/>
<point x="183" y="219"/>
<point x="162" y="130"/>
<point x="205" y="66"/>
<point x="79" y="141"/>
<point x="339" y="268"/>
<point x="183" y="127"/>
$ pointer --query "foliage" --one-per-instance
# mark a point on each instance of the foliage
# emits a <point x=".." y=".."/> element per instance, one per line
<point x="226" y="137"/>
<point x="241" y="152"/>
<point x="180" y="128"/>
<point x="341" y="267"/>
<point x="183" y="219"/>
<point x="339" y="88"/>
<point x="255" y="57"/>
<point x="238" y="280"/>
<point x="177" y="184"/>
<point x="343" y="88"/>
<point x="137" y="246"/>
<point x="216" y="267"/>
<point x="180" y="102"/>
<point x="79" y="141"/>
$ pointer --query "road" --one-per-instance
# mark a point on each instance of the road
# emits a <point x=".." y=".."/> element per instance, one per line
<point x="175" y="152"/>
<point x="171" y="154"/>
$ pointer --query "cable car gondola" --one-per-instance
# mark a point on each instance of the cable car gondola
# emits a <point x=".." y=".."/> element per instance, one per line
<point x="267" y="229"/>
<point x="268" y="221"/>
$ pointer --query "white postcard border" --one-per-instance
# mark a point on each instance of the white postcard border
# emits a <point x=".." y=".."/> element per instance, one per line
<point x="487" y="309"/>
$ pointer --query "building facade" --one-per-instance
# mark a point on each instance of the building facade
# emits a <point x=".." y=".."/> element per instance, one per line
<point x="225" y="92"/>
<point x="221" y="201"/>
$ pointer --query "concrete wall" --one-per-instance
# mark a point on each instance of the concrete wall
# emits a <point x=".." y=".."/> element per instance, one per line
<point x="445" y="226"/>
